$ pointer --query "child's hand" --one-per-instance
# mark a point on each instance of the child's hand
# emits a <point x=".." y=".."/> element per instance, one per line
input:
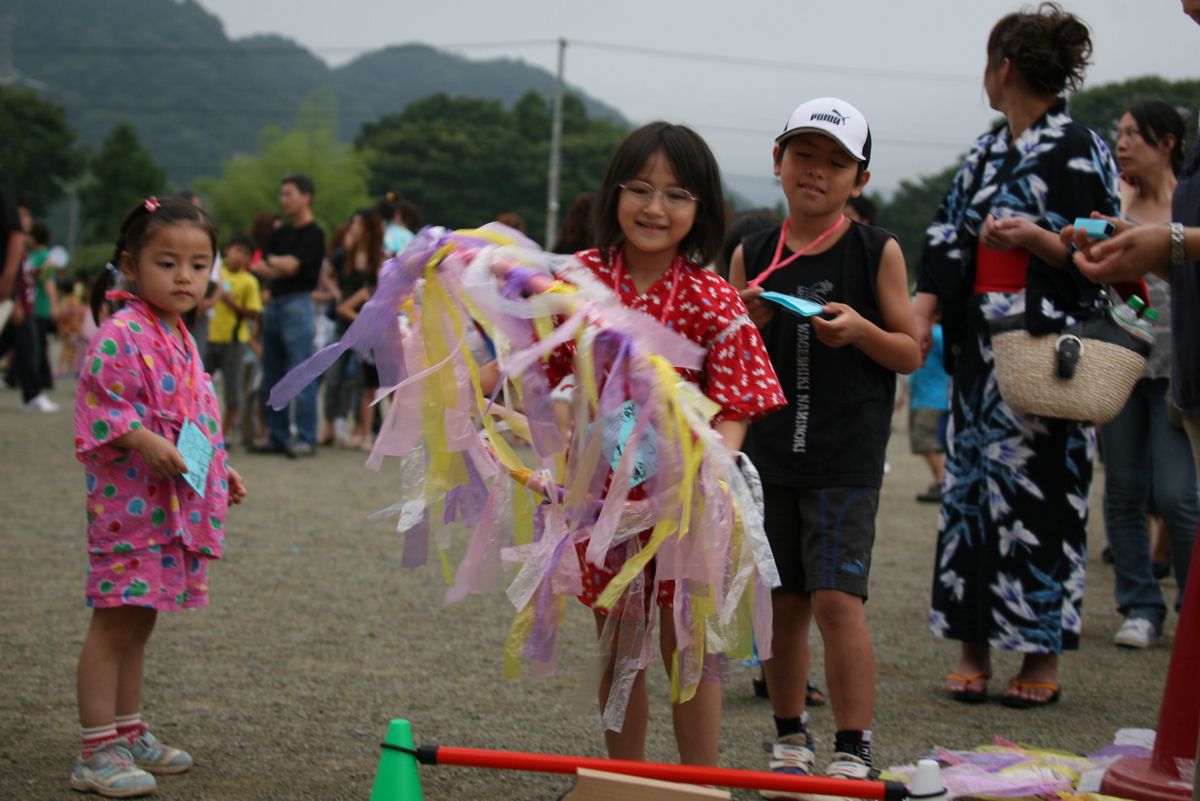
<point x="846" y="327"/>
<point x="760" y="314"/>
<point x="237" y="487"/>
<point x="162" y="457"/>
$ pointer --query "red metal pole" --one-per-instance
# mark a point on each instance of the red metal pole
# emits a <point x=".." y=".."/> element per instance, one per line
<point x="1156" y="778"/>
<point x="692" y="774"/>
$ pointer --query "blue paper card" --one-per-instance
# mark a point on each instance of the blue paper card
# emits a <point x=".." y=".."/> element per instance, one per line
<point x="197" y="453"/>
<point x="802" y="306"/>
<point x="617" y="431"/>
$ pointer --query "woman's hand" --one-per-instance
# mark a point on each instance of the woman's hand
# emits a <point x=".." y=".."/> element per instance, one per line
<point x="1127" y="256"/>
<point x="1006" y="233"/>
<point x="924" y="306"/>
<point x="846" y="327"/>
<point x="237" y="487"/>
<point x="760" y="314"/>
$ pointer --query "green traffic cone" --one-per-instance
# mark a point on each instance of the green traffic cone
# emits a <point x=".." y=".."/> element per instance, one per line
<point x="397" y="778"/>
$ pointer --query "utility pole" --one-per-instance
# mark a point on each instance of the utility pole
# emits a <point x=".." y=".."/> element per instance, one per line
<point x="555" y="149"/>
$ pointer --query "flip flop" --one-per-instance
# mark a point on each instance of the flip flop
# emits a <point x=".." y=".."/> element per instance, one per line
<point x="966" y="695"/>
<point x="1017" y="702"/>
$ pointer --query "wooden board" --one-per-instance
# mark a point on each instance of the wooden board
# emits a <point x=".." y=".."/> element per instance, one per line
<point x="595" y="785"/>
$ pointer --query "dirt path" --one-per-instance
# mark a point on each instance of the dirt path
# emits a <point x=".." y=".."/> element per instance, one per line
<point x="283" y="687"/>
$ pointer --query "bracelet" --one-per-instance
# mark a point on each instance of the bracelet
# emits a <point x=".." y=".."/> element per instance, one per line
<point x="1177" y="243"/>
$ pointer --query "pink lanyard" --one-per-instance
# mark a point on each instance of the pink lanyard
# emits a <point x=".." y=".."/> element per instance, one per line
<point x="676" y="269"/>
<point x="185" y="407"/>
<point x="776" y="264"/>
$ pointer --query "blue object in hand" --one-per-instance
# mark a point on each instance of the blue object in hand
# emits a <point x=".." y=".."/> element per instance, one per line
<point x="801" y="306"/>
<point x="1096" y="229"/>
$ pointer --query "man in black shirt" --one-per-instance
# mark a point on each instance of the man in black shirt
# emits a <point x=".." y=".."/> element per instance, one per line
<point x="290" y="269"/>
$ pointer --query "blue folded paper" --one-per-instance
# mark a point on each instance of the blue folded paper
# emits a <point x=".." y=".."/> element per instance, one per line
<point x="802" y="306"/>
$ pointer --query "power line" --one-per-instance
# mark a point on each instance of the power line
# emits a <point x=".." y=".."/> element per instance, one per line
<point x="775" y="64"/>
<point x="233" y="48"/>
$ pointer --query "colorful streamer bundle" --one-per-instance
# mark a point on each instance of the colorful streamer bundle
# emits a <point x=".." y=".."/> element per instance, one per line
<point x="693" y="520"/>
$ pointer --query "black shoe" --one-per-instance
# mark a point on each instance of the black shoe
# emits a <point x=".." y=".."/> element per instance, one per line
<point x="268" y="448"/>
<point x="299" y="450"/>
<point x="931" y="495"/>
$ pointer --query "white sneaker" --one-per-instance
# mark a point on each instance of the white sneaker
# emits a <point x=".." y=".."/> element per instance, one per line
<point x="40" y="404"/>
<point x="1136" y="632"/>
<point x="790" y="756"/>
<point x="110" y="772"/>
<point x="846" y="766"/>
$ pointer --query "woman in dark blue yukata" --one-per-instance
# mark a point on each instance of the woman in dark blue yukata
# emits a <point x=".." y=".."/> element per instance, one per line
<point x="1009" y="572"/>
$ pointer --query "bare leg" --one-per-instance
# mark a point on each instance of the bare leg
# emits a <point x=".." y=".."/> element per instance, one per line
<point x="787" y="669"/>
<point x="99" y="679"/>
<point x="129" y="684"/>
<point x="849" y="657"/>
<point x="1042" y="668"/>
<point x="697" y="722"/>
<point x="975" y="657"/>
<point x="937" y="465"/>
<point x="630" y="741"/>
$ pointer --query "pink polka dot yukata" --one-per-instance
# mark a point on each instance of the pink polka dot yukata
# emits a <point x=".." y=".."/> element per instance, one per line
<point x="149" y="538"/>
<point x="737" y="372"/>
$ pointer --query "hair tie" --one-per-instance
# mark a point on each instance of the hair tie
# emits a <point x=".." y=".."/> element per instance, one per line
<point x="113" y="269"/>
<point x="151" y="205"/>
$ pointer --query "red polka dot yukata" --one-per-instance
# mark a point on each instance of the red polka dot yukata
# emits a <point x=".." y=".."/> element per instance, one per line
<point x="737" y="373"/>
<point x="149" y="538"/>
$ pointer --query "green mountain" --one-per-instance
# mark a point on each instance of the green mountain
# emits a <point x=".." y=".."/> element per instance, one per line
<point x="197" y="97"/>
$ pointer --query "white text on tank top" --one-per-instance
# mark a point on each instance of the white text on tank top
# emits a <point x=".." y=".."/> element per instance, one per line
<point x="818" y="292"/>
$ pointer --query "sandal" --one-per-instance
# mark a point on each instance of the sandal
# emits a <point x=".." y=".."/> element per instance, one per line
<point x="966" y="695"/>
<point x="1013" y="698"/>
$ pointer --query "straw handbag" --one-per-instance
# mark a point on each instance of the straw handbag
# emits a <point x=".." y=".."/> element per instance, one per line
<point x="1086" y="373"/>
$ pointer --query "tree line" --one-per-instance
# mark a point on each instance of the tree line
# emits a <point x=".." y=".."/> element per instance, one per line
<point x="461" y="160"/>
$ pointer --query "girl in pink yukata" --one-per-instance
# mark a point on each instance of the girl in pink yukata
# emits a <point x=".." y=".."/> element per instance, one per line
<point x="154" y="517"/>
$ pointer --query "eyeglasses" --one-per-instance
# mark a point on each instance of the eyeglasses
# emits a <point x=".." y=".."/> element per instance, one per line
<point x="673" y="198"/>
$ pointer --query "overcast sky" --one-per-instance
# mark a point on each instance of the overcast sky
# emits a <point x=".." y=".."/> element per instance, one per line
<point x="735" y="70"/>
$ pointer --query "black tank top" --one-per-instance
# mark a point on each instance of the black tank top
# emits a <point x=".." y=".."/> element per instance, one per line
<point x="835" y="428"/>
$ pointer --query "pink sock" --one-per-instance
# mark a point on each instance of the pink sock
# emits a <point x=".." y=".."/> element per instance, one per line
<point x="130" y="727"/>
<point x="95" y="738"/>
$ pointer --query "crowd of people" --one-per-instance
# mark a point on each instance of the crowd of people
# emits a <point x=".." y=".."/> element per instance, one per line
<point x="809" y="397"/>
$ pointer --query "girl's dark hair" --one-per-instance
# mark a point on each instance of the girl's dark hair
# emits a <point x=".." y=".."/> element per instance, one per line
<point x="1156" y="119"/>
<point x="1050" y="48"/>
<point x="40" y="232"/>
<point x="696" y="171"/>
<point x="371" y="242"/>
<point x="576" y="231"/>
<point x="744" y="223"/>
<point x="139" y="225"/>
<point x="391" y="206"/>
<point x="261" y="228"/>
<point x="409" y="213"/>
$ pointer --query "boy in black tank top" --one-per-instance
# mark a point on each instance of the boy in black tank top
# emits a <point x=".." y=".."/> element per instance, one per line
<point x="821" y="458"/>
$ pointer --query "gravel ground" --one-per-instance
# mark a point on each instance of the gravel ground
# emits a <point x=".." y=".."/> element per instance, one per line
<point x="315" y="638"/>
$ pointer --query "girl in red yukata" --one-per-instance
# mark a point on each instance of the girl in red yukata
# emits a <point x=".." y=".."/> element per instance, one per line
<point x="148" y="430"/>
<point x="660" y="216"/>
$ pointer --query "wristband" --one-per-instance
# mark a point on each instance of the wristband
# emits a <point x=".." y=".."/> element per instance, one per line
<point x="1177" y="243"/>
